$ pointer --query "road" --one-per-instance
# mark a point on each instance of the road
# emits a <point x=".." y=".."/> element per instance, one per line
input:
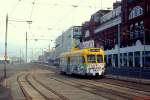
<point x="41" y="82"/>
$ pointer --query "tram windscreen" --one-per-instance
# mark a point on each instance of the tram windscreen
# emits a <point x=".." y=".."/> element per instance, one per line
<point x="99" y="59"/>
<point x="91" y="58"/>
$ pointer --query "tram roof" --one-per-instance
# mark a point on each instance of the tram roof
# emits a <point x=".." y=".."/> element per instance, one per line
<point x="84" y="51"/>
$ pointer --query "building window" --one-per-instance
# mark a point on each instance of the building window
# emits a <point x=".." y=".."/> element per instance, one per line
<point x="129" y="1"/>
<point x="131" y="32"/>
<point x="87" y="33"/>
<point x="141" y="26"/>
<point x="136" y="30"/>
<point x="148" y="8"/>
<point x="135" y="12"/>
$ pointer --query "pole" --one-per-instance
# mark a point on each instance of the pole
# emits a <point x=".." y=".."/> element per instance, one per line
<point x="49" y="47"/>
<point x="26" y="47"/>
<point x="118" y="45"/>
<point x="20" y="55"/>
<point x="144" y="46"/>
<point x="32" y="53"/>
<point x="5" y="74"/>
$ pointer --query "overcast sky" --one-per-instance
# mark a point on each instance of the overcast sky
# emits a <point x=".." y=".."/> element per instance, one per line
<point x="50" y="18"/>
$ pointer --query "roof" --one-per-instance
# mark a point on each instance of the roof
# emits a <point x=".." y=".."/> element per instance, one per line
<point x="83" y="51"/>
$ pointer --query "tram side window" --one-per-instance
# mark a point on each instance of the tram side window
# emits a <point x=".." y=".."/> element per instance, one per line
<point x="74" y="60"/>
<point x="99" y="58"/>
<point x="80" y="59"/>
<point x="71" y="60"/>
<point x="63" y="61"/>
<point x="83" y="59"/>
<point x="68" y="60"/>
<point x="91" y="58"/>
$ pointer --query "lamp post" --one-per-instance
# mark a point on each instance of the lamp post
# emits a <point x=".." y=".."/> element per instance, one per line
<point x="118" y="45"/>
<point x="6" y="34"/>
<point x="29" y="22"/>
<point x="6" y="47"/>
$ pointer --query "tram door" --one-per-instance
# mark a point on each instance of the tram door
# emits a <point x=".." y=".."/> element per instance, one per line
<point x="68" y="65"/>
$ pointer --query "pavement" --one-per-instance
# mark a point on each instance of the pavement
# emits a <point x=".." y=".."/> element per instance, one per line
<point x="5" y="93"/>
<point x="130" y="79"/>
<point x="12" y="69"/>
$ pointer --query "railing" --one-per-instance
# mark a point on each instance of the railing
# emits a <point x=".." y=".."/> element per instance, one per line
<point x="136" y="72"/>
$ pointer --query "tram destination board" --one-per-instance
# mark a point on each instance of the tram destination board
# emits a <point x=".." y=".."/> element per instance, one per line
<point x="94" y="50"/>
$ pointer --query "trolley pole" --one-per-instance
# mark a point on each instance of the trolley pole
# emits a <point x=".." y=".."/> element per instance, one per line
<point x="5" y="64"/>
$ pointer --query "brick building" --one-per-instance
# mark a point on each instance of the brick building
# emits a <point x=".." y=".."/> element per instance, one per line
<point x="124" y="33"/>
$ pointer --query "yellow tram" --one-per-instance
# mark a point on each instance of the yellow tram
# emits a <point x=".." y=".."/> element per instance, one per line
<point x="88" y="61"/>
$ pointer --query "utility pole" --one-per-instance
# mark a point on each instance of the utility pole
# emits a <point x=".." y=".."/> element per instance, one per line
<point x="5" y="74"/>
<point x="20" y="55"/>
<point x="144" y="46"/>
<point x="26" y="47"/>
<point x="118" y="45"/>
<point x="32" y="54"/>
<point x="49" y="47"/>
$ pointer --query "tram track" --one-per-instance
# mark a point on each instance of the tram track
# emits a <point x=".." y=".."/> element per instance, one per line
<point x="50" y="89"/>
<point x="35" y="88"/>
<point x="125" y="90"/>
<point x="28" y="85"/>
<point x="25" y="93"/>
<point x="126" y="84"/>
<point x="103" y="92"/>
<point x="132" y="91"/>
<point x="116" y="90"/>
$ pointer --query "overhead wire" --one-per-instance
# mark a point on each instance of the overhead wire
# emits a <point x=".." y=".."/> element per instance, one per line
<point x="62" y="18"/>
<point x="60" y="5"/>
<point x="14" y="8"/>
<point x="33" y="3"/>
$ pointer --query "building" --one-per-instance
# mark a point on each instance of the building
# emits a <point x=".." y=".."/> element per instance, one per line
<point x="69" y="39"/>
<point x="124" y="33"/>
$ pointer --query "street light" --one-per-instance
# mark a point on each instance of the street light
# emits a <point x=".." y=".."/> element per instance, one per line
<point x="6" y="31"/>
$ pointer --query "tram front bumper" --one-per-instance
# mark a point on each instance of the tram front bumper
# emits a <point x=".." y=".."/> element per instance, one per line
<point x="95" y="72"/>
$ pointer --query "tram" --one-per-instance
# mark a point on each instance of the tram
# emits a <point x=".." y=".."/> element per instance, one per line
<point x="88" y="61"/>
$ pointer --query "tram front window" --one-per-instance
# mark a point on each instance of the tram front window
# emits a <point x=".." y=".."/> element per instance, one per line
<point x="99" y="58"/>
<point x="91" y="58"/>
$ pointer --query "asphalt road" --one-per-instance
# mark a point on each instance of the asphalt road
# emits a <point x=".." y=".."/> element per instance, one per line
<point x="43" y="82"/>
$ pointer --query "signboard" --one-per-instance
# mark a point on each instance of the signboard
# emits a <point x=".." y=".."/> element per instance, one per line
<point x="87" y="44"/>
<point x="77" y="31"/>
